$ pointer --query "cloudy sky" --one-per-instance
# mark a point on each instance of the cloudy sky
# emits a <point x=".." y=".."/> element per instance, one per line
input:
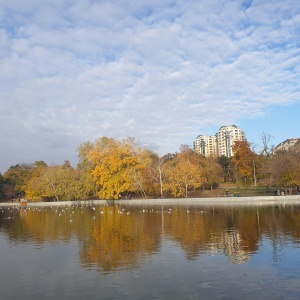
<point x="162" y="71"/>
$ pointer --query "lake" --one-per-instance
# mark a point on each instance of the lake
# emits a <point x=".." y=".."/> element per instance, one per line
<point x="150" y="252"/>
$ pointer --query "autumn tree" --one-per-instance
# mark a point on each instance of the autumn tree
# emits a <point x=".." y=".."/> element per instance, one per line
<point x="15" y="179"/>
<point x="58" y="182"/>
<point x="83" y="156"/>
<point x="284" y="168"/>
<point x="118" y="166"/>
<point x="156" y="172"/>
<point x="243" y="161"/>
<point x="184" y="172"/>
<point x="262" y="161"/>
<point x="138" y="173"/>
<point x="39" y="164"/>
<point x="86" y="167"/>
<point x="35" y="187"/>
<point x="212" y="171"/>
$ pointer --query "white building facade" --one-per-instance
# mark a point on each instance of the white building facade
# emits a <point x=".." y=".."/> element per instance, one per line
<point x="206" y="145"/>
<point x="221" y="143"/>
<point x="226" y="136"/>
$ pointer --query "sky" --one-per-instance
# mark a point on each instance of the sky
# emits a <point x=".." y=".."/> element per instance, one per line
<point x="161" y="71"/>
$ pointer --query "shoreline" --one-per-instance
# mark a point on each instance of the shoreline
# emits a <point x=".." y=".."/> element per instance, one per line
<point x="219" y="201"/>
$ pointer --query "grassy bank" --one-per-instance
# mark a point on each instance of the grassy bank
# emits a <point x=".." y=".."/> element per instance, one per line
<point x="244" y="191"/>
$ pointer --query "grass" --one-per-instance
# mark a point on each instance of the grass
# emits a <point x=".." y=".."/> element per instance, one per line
<point x="245" y="191"/>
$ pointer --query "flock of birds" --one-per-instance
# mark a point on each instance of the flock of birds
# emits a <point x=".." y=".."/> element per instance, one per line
<point x="9" y="212"/>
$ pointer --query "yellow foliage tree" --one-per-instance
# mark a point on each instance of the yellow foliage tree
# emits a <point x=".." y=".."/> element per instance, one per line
<point x="118" y="166"/>
<point x="56" y="183"/>
<point x="212" y="171"/>
<point x="184" y="172"/>
<point x="35" y="186"/>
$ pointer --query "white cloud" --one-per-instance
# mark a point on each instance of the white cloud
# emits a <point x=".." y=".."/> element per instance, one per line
<point x="161" y="71"/>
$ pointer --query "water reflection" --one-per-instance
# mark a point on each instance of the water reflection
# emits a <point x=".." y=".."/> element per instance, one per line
<point x="121" y="237"/>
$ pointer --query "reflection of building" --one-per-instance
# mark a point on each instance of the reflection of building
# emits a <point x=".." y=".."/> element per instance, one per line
<point x="287" y="144"/>
<point x="206" y="145"/>
<point x="221" y="143"/>
<point x="231" y="244"/>
<point x="233" y="249"/>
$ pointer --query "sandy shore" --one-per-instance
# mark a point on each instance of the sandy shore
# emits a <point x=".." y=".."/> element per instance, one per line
<point x="219" y="201"/>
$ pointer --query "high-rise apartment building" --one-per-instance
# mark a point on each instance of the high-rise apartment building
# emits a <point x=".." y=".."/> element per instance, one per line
<point x="221" y="143"/>
<point x="226" y="136"/>
<point x="206" y="145"/>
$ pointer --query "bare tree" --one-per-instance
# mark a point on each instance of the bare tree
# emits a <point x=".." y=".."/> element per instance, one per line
<point x="265" y="138"/>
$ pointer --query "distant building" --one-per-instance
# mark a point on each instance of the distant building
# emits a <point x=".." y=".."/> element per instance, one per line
<point x="206" y="145"/>
<point x="221" y="143"/>
<point x="287" y="144"/>
<point x="226" y="136"/>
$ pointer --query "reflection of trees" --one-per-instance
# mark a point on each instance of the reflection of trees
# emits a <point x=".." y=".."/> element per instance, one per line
<point x="41" y="225"/>
<point x="112" y="238"/>
<point x="280" y="224"/>
<point x="120" y="240"/>
<point x="187" y="228"/>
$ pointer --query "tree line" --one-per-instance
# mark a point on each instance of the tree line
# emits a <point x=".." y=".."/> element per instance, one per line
<point x="109" y="168"/>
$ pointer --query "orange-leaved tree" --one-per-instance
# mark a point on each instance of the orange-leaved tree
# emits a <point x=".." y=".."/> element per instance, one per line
<point x="243" y="161"/>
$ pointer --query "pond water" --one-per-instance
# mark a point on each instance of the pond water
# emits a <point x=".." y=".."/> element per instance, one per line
<point x="150" y="252"/>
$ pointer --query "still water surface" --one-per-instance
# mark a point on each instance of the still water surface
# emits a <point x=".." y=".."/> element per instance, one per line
<point x="143" y="252"/>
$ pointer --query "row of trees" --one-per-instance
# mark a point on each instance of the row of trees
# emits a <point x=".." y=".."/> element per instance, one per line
<point x="109" y="169"/>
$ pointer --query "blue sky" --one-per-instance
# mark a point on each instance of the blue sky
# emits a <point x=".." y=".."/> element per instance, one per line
<point x="161" y="71"/>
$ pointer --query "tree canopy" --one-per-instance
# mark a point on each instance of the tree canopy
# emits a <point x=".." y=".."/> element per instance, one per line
<point x="110" y="168"/>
